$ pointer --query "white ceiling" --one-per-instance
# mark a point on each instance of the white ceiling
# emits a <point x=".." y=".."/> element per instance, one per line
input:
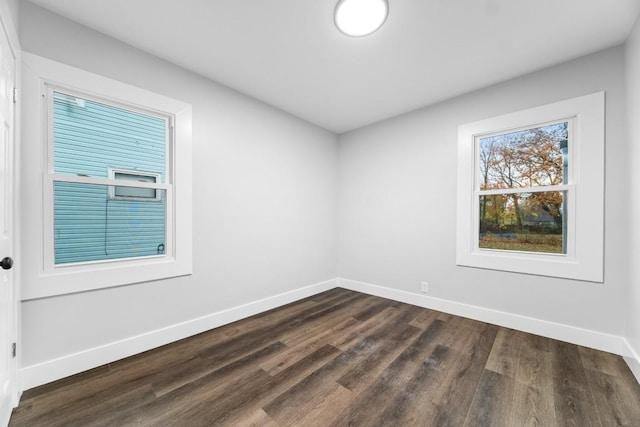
<point x="288" y="53"/>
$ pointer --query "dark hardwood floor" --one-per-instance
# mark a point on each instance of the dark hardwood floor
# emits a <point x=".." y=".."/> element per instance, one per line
<point x="343" y="358"/>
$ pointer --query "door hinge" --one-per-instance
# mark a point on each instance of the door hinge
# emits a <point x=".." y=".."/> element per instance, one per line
<point x="13" y="350"/>
<point x="15" y="95"/>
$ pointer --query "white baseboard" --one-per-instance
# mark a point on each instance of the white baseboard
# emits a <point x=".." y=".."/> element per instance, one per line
<point x="584" y="337"/>
<point x="51" y="370"/>
<point x="633" y="360"/>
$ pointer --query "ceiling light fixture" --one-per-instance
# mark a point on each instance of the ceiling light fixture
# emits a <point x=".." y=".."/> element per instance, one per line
<point x="357" y="18"/>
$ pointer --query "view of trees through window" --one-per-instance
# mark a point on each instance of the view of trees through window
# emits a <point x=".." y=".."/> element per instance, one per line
<point x="519" y="208"/>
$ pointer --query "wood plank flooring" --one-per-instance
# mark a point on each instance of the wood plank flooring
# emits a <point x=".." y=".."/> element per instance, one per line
<point x="343" y="358"/>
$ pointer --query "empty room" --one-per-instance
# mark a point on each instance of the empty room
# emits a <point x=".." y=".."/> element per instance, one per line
<point x="320" y="213"/>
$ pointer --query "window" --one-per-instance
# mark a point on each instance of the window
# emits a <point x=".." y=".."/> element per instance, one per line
<point x="95" y="222"/>
<point x="531" y="191"/>
<point x="522" y="189"/>
<point x="134" y="193"/>
<point x="113" y="154"/>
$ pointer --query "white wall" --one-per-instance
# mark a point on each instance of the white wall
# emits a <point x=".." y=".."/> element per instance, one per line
<point x="397" y="202"/>
<point x="14" y="10"/>
<point x="264" y="186"/>
<point x="633" y="118"/>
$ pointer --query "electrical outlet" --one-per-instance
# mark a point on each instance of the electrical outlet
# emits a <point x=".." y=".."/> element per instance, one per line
<point x="424" y="287"/>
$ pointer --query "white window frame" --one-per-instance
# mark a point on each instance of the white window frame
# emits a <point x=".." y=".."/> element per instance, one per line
<point x="111" y="172"/>
<point x="41" y="77"/>
<point x="584" y="257"/>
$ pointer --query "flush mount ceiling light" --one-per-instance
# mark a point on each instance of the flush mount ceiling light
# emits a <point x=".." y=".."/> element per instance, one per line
<point x="357" y="18"/>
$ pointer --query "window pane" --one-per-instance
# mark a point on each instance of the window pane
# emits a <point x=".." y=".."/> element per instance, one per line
<point x="89" y="226"/>
<point x="527" y="158"/>
<point x="531" y="222"/>
<point x="90" y="138"/>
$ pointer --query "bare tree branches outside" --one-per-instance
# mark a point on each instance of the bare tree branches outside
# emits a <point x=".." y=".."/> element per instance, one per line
<point x="527" y="216"/>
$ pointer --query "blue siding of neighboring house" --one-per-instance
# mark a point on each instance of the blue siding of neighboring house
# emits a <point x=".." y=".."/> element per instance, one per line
<point x="90" y="138"/>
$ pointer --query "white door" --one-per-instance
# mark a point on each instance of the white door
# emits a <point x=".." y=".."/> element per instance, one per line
<point x="7" y="303"/>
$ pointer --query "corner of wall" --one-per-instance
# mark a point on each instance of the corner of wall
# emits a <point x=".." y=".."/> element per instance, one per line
<point x="632" y="69"/>
<point x="52" y="370"/>
<point x="633" y="361"/>
<point x="584" y="337"/>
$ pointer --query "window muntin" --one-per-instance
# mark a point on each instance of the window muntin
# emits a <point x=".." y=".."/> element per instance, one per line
<point x="516" y="172"/>
<point x="94" y="220"/>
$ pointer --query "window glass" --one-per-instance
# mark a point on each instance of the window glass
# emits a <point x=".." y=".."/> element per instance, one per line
<point x="531" y="222"/>
<point x="524" y="218"/>
<point x="90" y="137"/>
<point x="91" y="227"/>
<point x="95" y="222"/>
<point x="526" y="158"/>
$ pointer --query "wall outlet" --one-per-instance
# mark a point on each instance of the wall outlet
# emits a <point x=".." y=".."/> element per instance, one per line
<point x="424" y="287"/>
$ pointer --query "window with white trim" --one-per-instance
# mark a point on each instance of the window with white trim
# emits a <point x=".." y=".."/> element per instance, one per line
<point x="116" y="189"/>
<point x="531" y="191"/>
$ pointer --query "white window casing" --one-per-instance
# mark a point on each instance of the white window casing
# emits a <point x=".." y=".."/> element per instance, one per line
<point x="584" y="189"/>
<point x="41" y="76"/>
